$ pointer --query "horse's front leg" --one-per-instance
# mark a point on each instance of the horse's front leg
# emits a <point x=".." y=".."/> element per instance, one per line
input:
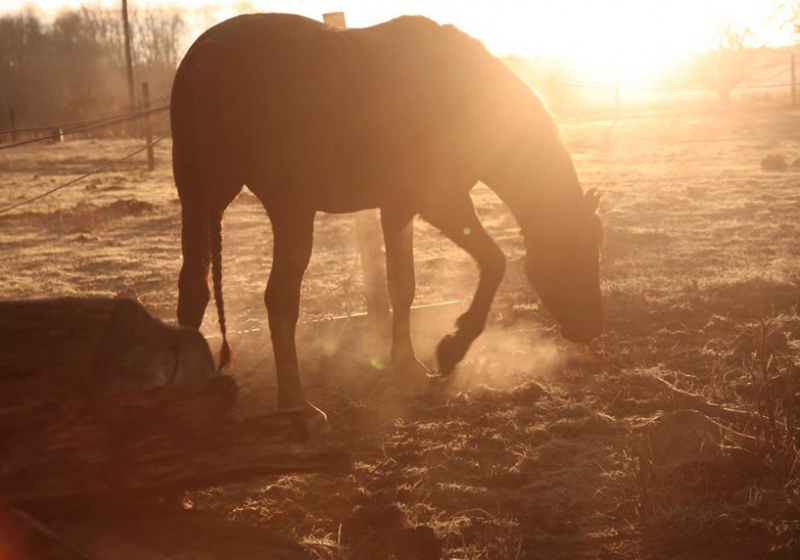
<point x="398" y="234"/>
<point x="456" y="219"/>
<point x="293" y="232"/>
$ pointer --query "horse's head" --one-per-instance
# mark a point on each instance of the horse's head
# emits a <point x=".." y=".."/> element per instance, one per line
<point x="562" y="264"/>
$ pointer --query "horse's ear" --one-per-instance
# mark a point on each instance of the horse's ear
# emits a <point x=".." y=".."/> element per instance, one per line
<point x="592" y="199"/>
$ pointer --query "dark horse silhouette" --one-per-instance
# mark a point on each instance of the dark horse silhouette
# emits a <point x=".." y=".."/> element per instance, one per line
<point x="407" y="117"/>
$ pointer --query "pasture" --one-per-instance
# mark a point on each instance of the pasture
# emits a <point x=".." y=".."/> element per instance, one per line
<point x="533" y="448"/>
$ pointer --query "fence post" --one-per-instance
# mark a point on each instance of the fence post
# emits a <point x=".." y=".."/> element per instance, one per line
<point x="57" y="135"/>
<point x="148" y="129"/>
<point x="794" y="84"/>
<point x="13" y="120"/>
<point x="551" y="90"/>
<point x="369" y="235"/>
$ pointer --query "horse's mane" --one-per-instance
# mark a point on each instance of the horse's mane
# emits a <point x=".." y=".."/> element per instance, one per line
<point x="471" y="64"/>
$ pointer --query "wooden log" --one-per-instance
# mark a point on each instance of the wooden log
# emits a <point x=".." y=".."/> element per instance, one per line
<point x="79" y="347"/>
<point x="145" y="533"/>
<point x="689" y="440"/>
<point x="160" y="441"/>
<point x="103" y="409"/>
<point x="684" y="400"/>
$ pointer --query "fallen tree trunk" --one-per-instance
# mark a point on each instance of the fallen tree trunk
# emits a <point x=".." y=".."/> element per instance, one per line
<point x="84" y="347"/>
<point x="103" y="411"/>
<point x="146" y="443"/>
<point x="683" y="400"/>
<point x="141" y="533"/>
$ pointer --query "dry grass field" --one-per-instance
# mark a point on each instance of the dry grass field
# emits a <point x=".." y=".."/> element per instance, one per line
<point x="533" y="449"/>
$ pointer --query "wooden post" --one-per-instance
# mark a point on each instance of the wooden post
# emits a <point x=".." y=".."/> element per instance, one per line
<point x="56" y="133"/>
<point x="148" y="129"/>
<point x="794" y="84"/>
<point x="368" y="230"/>
<point x="13" y="120"/>
<point x="334" y="19"/>
<point x="551" y="90"/>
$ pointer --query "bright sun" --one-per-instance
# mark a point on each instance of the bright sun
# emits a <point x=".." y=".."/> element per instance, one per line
<point x="631" y="39"/>
<point x="626" y="38"/>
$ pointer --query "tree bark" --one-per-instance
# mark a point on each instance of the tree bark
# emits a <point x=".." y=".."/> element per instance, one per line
<point x="82" y="347"/>
<point x="104" y="410"/>
<point x="142" y="533"/>
<point x="146" y="443"/>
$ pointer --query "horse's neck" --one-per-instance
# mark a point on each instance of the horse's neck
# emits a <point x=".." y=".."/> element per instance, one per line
<point x="537" y="179"/>
<point x="514" y="145"/>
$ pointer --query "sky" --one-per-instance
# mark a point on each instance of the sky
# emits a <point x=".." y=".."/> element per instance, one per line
<point x="622" y="36"/>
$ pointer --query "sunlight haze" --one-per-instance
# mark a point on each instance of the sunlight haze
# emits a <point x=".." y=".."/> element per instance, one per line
<point x="367" y="290"/>
<point x="623" y="36"/>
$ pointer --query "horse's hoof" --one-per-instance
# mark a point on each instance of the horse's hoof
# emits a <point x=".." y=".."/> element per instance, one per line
<point x="409" y="368"/>
<point x="448" y="354"/>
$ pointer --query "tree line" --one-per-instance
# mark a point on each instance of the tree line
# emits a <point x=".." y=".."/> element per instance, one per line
<point x="73" y="67"/>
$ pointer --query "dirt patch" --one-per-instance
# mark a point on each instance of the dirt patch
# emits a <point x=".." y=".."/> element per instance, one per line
<point x="530" y="450"/>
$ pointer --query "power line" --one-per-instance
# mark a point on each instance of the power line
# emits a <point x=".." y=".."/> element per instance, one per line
<point x="763" y="86"/>
<point x="781" y="72"/>
<point x="84" y="176"/>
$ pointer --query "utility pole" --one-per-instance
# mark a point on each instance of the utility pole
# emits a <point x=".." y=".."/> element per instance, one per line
<point x="128" y="59"/>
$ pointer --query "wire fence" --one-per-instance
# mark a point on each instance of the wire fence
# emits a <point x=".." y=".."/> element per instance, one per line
<point x="57" y="132"/>
<point x="87" y="125"/>
<point x="105" y="167"/>
<point x="82" y="126"/>
<point x="162" y="104"/>
<point x="662" y="89"/>
<point x="65" y="130"/>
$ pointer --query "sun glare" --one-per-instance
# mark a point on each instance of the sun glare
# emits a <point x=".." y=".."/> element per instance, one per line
<point x="625" y="39"/>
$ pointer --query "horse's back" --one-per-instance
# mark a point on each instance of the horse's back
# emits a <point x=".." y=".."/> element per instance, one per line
<point x="260" y="92"/>
<point x="288" y="100"/>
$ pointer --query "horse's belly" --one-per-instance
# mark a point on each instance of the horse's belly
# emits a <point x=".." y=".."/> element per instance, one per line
<point x="334" y="172"/>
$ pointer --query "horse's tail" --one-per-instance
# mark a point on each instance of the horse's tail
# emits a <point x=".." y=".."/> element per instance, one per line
<point x="215" y="232"/>
<point x="195" y="149"/>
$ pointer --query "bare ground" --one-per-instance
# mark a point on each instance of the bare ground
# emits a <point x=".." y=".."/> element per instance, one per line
<point x="531" y="450"/>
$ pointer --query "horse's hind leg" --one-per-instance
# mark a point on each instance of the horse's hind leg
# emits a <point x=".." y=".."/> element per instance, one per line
<point x="293" y="232"/>
<point x="199" y="219"/>
<point x="458" y="221"/>
<point x="193" y="292"/>
<point x="398" y="234"/>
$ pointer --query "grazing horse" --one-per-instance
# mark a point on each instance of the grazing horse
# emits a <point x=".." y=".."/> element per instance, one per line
<point x="406" y="116"/>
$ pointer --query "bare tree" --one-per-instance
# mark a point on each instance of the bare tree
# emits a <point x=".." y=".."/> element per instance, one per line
<point x="786" y="13"/>
<point x="74" y="67"/>
<point x="726" y="65"/>
<point x="24" y="48"/>
<point x="731" y="59"/>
